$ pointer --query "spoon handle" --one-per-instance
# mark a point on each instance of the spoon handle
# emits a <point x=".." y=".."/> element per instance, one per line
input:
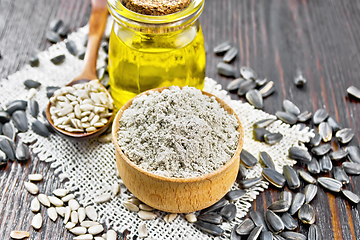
<point x="97" y="24"/>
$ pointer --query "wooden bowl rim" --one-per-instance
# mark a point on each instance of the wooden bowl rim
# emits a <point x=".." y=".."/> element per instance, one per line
<point x="210" y="175"/>
<point x="80" y="136"/>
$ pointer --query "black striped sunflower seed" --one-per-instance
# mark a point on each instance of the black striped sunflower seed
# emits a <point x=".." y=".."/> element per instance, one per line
<point x="235" y="84"/>
<point x="264" y="123"/>
<point x="245" y="87"/>
<point x="307" y="214"/>
<point x="245" y="227"/>
<point x="330" y="184"/>
<point x="266" y="160"/>
<point x="267" y="89"/>
<point x="310" y="192"/>
<point x="297" y="202"/>
<point x="254" y="97"/>
<point x="247" y="159"/>
<point x="313" y="166"/>
<point x="340" y="175"/>
<point x="290" y="107"/>
<point x="230" y="55"/>
<point x="274" y="177"/>
<point x="286" y="117"/>
<point x="291" y="177"/>
<point x="222" y="47"/>
<point x="248" y="73"/>
<point x="345" y="135"/>
<point x="325" y="164"/>
<point x="299" y="154"/>
<point x="354" y="92"/>
<point x="320" y="116"/>
<point x="351" y="168"/>
<point x="272" y="138"/>
<point x="321" y="150"/>
<point x="353" y="153"/>
<point x="258" y="134"/>
<point x="351" y="196"/>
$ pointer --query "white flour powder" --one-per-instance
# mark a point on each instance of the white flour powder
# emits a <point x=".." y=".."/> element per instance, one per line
<point x="178" y="133"/>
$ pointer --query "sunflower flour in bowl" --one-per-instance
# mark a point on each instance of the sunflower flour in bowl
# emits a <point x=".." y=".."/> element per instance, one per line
<point x="178" y="133"/>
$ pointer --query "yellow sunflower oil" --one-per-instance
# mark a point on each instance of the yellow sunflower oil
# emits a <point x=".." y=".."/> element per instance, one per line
<point x="147" y="52"/>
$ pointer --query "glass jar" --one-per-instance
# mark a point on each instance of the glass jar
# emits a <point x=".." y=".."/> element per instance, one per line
<point x="148" y="51"/>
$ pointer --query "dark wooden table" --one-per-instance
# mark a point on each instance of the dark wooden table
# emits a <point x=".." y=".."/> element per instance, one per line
<point x="274" y="37"/>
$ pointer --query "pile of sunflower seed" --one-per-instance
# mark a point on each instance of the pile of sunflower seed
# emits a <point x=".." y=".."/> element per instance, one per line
<point x="81" y="221"/>
<point x="81" y="107"/>
<point x="247" y="82"/>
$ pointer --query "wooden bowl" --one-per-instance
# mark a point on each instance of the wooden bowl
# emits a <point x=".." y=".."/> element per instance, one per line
<point x="74" y="135"/>
<point x="176" y="195"/>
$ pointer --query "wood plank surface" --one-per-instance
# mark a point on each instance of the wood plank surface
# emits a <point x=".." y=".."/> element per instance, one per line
<point x="274" y="37"/>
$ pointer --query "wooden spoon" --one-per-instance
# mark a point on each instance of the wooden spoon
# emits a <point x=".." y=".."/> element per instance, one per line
<point x="97" y="24"/>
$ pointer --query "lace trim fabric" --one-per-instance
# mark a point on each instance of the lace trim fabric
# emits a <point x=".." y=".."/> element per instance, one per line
<point x="88" y="168"/>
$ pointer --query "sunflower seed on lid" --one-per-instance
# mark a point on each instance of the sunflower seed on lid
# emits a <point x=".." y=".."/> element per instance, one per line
<point x="247" y="73"/>
<point x="63" y="30"/>
<point x="267" y="89"/>
<point x="299" y="79"/>
<point x="258" y="134"/>
<point x="340" y="175"/>
<point x="353" y="153"/>
<point x="335" y="126"/>
<point x="320" y="116"/>
<point x="248" y="159"/>
<point x="84" y="237"/>
<point x="313" y="166"/>
<point x="293" y="235"/>
<point x="60" y="192"/>
<point x="258" y="219"/>
<point x="8" y="129"/>
<point x="274" y="222"/>
<point x="222" y="47"/>
<point x="145" y="215"/>
<point x="299" y="154"/>
<point x="325" y="131"/>
<point x="68" y="197"/>
<point x="70" y="225"/>
<point x="351" y="168"/>
<point x="209" y="228"/>
<point x="266" y="160"/>
<point x="234" y="235"/>
<point x="71" y="47"/>
<point x="31" y="188"/>
<point x="353" y="91"/>
<point x="245" y="87"/>
<point x="19" y="234"/>
<point x="304" y="116"/>
<point x="20" y="120"/>
<point x="36" y="222"/>
<point x="52" y="213"/>
<point x="345" y="135"/>
<point x="273" y="177"/>
<point x="211" y="217"/>
<point x="307" y="214"/>
<point x="78" y="230"/>
<point x="227" y="70"/>
<point x="289" y="222"/>
<point x="321" y="150"/>
<point x="306" y="176"/>
<point x="297" y="202"/>
<point x="245" y="227"/>
<point x="57" y="60"/>
<point x="254" y="98"/>
<point x="286" y="196"/>
<point x="310" y="192"/>
<point x="255" y="233"/>
<point x="230" y="55"/>
<point x="55" y="24"/>
<point x="272" y="138"/>
<point x="351" y="196"/>
<point x="314" y="233"/>
<point x="234" y="85"/>
<point x="338" y="155"/>
<point x="191" y="217"/>
<point x="35" y="205"/>
<point x="291" y="177"/>
<point x="279" y="206"/>
<point x="242" y="172"/>
<point x="170" y="217"/>
<point x="286" y="117"/>
<point x="266" y="235"/>
<point x="290" y="107"/>
<point x="228" y="212"/>
<point x="219" y="204"/>
<point x="330" y="184"/>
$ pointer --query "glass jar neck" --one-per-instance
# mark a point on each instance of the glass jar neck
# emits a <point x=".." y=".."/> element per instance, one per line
<point x="155" y="24"/>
